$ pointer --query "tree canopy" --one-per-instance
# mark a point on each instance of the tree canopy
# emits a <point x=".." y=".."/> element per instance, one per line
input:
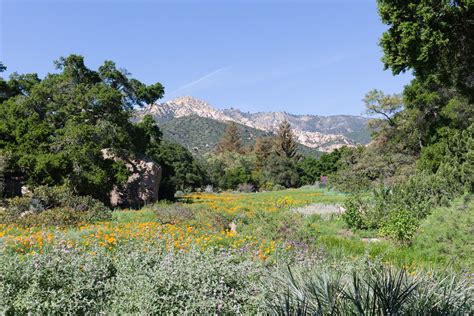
<point x="432" y="38"/>
<point x="285" y="143"/>
<point x="52" y="130"/>
<point x="231" y="140"/>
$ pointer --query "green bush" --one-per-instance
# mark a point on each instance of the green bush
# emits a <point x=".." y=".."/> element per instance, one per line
<point x="445" y="236"/>
<point x="278" y="187"/>
<point x="401" y="226"/>
<point x="234" y="177"/>
<point x="354" y="215"/>
<point x="364" y="211"/>
<point x="397" y="210"/>
<point x="281" y="170"/>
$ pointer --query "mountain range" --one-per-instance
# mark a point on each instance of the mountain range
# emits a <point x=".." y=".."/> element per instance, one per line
<point x="198" y="125"/>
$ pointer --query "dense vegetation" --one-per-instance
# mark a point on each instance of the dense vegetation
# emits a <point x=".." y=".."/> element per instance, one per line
<point x="397" y="241"/>
<point x="422" y="153"/>
<point x="180" y="258"/>
<point x="53" y="131"/>
<point x="200" y="135"/>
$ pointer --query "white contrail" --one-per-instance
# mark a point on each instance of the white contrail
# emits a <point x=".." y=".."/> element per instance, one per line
<point x="195" y="82"/>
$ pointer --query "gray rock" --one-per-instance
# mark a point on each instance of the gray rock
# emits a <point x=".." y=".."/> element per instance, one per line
<point x="142" y="184"/>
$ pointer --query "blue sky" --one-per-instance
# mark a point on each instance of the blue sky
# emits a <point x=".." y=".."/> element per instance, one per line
<point x="304" y="57"/>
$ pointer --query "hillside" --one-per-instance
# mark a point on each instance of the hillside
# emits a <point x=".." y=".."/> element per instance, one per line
<point x="200" y="135"/>
<point x="318" y="132"/>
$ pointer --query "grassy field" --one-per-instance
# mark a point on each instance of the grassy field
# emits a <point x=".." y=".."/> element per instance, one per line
<point x="267" y="224"/>
<point x="184" y="258"/>
<point x="202" y="220"/>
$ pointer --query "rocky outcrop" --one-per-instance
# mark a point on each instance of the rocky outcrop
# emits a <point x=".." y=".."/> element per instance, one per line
<point x="142" y="184"/>
<point x="325" y="133"/>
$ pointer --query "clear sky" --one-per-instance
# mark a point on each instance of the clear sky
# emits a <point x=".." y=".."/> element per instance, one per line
<point x="304" y="57"/>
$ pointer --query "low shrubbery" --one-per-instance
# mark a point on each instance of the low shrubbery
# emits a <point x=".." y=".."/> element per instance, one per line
<point x="131" y="280"/>
<point x="444" y="172"/>
<point x="53" y="206"/>
<point x="173" y="213"/>
<point x="159" y="281"/>
<point x="397" y="210"/>
<point x="445" y="236"/>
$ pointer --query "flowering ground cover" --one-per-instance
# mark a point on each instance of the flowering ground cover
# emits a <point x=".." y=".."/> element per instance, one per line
<point x="184" y="258"/>
<point x="142" y="227"/>
<point x="233" y="203"/>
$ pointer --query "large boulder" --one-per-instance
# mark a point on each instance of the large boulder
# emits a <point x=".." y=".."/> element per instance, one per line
<point x="142" y="184"/>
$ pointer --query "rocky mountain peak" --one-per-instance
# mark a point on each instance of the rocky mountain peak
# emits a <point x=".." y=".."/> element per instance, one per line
<point x="323" y="133"/>
<point x="189" y="101"/>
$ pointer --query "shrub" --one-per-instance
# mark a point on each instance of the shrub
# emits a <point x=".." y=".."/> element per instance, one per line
<point x="365" y="212"/>
<point x="235" y="176"/>
<point x="448" y="231"/>
<point x="401" y="226"/>
<point x="398" y="209"/>
<point x="246" y="187"/>
<point x="354" y="215"/>
<point x="282" y="171"/>
<point x="186" y="283"/>
<point x="28" y="210"/>
<point x="173" y="213"/>
<point x="130" y="281"/>
<point x="278" y="187"/>
<point x="268" y="186"/>
<point x="61" y="280"/>
<point x="63" y="216"/>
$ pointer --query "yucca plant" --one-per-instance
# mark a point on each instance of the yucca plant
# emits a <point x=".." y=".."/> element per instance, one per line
<point x="443" y="295"/>
<point x="372" y="289"/>
<point x="307" y="293"/>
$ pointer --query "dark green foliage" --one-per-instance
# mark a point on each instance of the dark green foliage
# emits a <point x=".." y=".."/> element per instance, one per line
<point x="2" y="175"/>
<point x="432" y="38"/>
<point x="432" y="126"/>
<point x="281" y="170"/>
<point x="54" y="130"/>
<point x="181" y="171"/>
<point x="446" y="171"/>
<point x="397" y="210"/>
<point x="228" y="170"/>
<point x="329" y="163"/>
<point x="285" y="143"/>
<point x="262" y="150"/>
<point x="235" y="176"/>
<point x="200" y="135"/>
<point x="454" y="148"/>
